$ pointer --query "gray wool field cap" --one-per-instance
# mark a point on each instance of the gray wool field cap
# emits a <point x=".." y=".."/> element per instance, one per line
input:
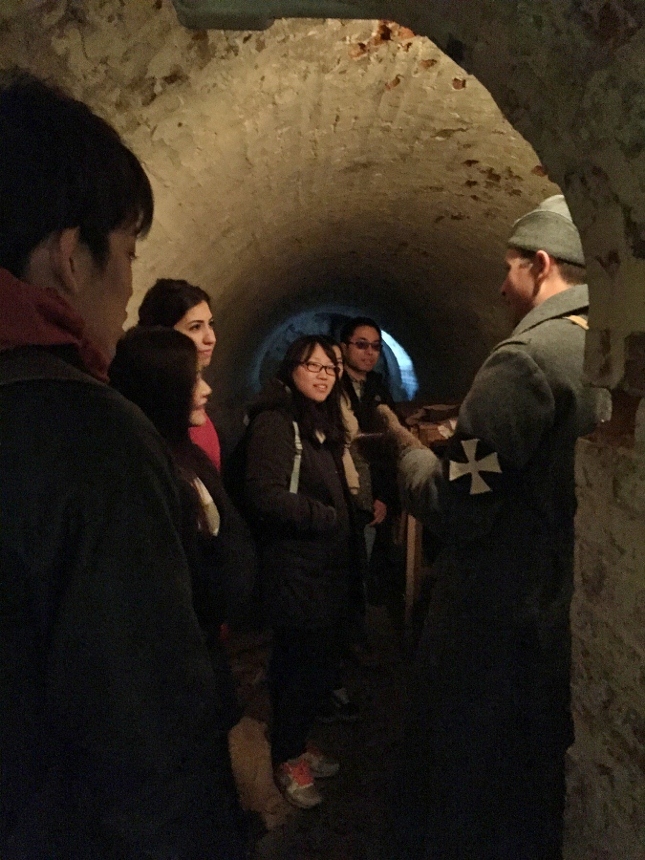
<point x="549" y="228"/>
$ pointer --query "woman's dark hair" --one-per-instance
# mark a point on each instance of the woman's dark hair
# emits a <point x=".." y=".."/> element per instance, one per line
<point x="312" y="416"/>
<point x="329" y="340"/>
<point x="168" y="300"/>
<point x="156" y="368"/>
<point x="62" y="167"/>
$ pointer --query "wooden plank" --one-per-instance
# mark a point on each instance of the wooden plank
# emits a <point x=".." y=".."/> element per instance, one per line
<point x="412" y="564"/>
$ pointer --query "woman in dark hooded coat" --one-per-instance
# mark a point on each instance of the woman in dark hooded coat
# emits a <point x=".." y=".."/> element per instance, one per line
<point x="297" y="496"/>
<point x="157" y="369"/>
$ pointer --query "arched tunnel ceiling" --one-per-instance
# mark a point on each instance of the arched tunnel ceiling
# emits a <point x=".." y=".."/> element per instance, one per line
<point x="316" y="161"/>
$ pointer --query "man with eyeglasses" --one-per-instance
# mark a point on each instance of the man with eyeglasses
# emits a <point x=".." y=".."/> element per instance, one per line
<point x="361" y="344"/>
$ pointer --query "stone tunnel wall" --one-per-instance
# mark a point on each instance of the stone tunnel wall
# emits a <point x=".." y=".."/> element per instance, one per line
<point x="284" y="181"/>
<point x="607" y="763"/>
<point x="217" y="116"/>
<point x="569" y="76"/>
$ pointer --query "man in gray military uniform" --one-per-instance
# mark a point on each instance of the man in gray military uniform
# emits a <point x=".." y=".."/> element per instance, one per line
<point x="489" y="718"/>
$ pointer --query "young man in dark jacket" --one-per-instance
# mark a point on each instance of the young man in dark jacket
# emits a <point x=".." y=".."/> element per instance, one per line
<point x="112" y="741"/>
<point x="361" y="345"/>
<point x="489" y="716"/>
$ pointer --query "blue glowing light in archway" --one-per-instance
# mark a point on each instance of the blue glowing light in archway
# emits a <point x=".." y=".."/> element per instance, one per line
<point x="406" y="368"/>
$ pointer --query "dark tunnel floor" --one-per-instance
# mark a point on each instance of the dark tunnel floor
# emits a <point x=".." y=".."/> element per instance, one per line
<point x="351" y="823"/>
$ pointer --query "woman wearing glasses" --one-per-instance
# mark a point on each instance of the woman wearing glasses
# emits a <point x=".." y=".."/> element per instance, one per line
<point x="298" y="497"/>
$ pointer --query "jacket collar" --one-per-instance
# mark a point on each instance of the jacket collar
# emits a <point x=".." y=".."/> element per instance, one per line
<point x="569" y="301"/>
<point x="35" y="316"/>
<point x="274" y="395"/>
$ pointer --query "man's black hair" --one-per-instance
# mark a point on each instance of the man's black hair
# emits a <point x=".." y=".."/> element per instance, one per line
<point x="61" y="167"/>
<point x="350" y="327"/>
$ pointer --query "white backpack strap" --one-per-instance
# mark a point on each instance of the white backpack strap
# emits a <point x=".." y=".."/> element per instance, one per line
<point x="210" y="508"/>
<point x="295" y="474"/>
<point x="578" y="320"/>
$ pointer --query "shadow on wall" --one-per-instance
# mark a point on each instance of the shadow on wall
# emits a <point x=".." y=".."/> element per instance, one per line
<point x="394" y="363"/>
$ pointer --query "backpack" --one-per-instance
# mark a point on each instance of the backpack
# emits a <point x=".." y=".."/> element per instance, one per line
<point x="234" y="470"/>
<point x="233" y="476"/>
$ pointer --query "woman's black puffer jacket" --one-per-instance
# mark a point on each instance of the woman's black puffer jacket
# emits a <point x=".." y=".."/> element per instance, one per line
<point x="304" y="538"/>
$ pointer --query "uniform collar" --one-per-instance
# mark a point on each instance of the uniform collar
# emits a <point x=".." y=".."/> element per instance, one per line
<point x="567" y="302"/>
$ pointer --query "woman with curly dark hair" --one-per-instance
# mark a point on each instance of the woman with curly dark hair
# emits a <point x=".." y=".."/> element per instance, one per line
<point x="175" y="303"/>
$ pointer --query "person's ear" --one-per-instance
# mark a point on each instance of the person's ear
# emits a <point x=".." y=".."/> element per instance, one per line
<point x="65" y="259"/>
<point x="541" y="266"/>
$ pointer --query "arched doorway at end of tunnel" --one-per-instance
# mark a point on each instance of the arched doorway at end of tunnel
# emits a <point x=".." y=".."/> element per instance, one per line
<point x="394" y="362"/>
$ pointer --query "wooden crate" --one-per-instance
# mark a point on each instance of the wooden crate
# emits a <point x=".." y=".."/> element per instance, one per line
<point x="434" y="426"/>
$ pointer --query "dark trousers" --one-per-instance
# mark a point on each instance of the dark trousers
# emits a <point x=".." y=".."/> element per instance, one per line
<point x="385" y="581"/>
<point x="482" y="764"/>
<point x="302" y="672"/>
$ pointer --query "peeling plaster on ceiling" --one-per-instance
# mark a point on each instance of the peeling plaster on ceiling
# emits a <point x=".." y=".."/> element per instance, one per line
<point x="318" y="161"/>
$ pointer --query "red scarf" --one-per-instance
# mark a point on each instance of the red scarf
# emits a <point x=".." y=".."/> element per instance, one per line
<point x="35" y="316"/>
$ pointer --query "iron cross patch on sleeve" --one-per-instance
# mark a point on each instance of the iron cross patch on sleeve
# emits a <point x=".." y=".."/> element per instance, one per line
<point x="471" y="460"/>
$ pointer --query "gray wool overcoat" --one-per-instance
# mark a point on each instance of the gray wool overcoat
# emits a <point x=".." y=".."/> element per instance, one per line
<point x="488" y="714"/>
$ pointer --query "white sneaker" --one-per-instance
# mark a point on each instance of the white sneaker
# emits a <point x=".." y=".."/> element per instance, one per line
<point x="295" y="781"/>
<point x="321" y="766"/>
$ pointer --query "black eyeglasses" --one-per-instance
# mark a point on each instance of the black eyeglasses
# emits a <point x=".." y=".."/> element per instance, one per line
<point x="316" y="367"/>
<point x="364" y="345"/>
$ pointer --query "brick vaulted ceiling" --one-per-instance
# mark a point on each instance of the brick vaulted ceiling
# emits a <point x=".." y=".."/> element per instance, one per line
<point x="317" y="161"/>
